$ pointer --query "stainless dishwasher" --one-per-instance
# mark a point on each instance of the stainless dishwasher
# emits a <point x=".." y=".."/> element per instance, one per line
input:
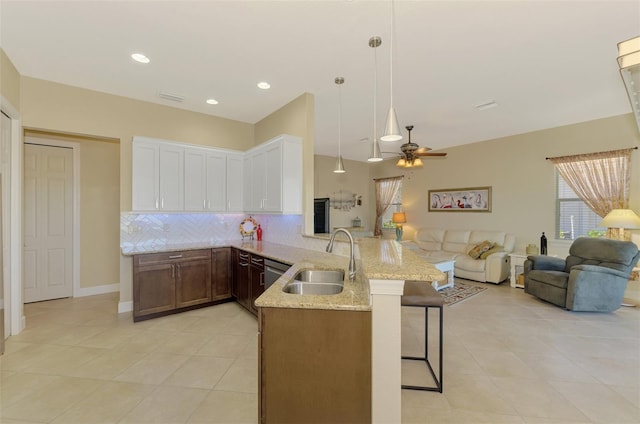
<point x="272" y="271"/>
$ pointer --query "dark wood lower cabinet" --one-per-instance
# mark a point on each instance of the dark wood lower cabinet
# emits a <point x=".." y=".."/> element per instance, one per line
<point x="314" y="366"/>
<point x="221" y="273"/>
<point x="172" y="281"/>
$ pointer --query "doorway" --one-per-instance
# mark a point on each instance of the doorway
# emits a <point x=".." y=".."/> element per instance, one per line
<point x="48" y="222"/>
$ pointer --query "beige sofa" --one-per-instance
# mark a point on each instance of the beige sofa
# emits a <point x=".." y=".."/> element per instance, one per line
<point x="437" y="243"/>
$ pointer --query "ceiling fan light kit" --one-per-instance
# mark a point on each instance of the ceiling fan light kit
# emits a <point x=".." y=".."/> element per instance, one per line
<point x="411" y="152"/>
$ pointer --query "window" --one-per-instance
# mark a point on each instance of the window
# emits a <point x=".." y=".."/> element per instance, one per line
<point x="574" y="217"/>
<point x="396" y="206"/>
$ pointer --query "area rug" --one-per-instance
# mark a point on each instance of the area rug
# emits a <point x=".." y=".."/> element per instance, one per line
<point x="459" y="292"/>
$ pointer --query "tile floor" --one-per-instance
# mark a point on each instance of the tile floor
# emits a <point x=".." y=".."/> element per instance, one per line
<point x="508" y="358"/>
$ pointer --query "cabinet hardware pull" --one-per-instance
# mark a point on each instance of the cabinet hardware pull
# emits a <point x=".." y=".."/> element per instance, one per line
<point x="173" y="271"/>
<point x="204" y="204"/>
<point x="262" y="278"/>
<point x="175" y="256"/>
<point x="156" y="203"/>
<point x="162" y="203"/>
<point x="209" y="204"/>
<point x="244" y="264"/>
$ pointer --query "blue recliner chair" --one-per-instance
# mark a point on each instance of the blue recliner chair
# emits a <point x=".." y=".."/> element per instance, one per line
<point x="592" y="278"/>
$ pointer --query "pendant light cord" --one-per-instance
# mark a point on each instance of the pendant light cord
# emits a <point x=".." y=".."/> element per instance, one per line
<point x="375" y="86"/>
<point x="391" y="53"/>
<point x="339" y="119"/>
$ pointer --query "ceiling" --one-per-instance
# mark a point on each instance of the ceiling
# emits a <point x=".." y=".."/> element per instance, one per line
<point x="545" y="63"/>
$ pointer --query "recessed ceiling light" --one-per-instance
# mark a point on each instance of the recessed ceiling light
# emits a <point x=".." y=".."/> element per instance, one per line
<point x="139" y="57"/>
<point x="264" y="85"/>
<point x="212" y="101"/>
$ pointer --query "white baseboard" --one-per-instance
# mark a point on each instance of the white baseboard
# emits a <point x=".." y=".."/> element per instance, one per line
<point x="125" y="306"/>
<point x="91" y="291"/>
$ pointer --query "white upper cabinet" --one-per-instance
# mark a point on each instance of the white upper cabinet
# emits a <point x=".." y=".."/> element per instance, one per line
<point x="273" y="176"/>
<point x="157" y="176"/>
<point x="145" y="177"/>
<point x="216" y="182"/>
<point x="234" y="183"/>
<point x="168" y="176"/>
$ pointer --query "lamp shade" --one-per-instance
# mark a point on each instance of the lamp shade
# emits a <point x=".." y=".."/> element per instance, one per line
<point x="399" y="218"/>
<point x="621" y="218"/>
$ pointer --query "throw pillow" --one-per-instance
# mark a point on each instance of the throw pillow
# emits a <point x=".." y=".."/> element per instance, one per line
<point x="480" y="248"/>
<point x="494" y="249"/>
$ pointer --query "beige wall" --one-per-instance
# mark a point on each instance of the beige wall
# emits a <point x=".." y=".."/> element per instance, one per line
<point x="355" y="180"/>
<point x="523" y="181"/>
<point x="295" y="118"/>
<point x="99" y="207"/>
<point x="62" y="108"/>
<point x="9" y="81"/>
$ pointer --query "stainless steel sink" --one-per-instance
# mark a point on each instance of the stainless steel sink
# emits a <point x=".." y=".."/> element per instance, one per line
<point x="316" y="282"/>
<point x="320" y="276"/>
<point x="297" y="287"/>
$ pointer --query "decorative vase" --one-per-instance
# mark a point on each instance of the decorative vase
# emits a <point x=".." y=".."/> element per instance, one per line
<point x="399" y="233"/>
<point x="532" y="249"/>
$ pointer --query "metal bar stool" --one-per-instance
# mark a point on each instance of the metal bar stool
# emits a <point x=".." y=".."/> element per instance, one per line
<point x="422" y="295"/>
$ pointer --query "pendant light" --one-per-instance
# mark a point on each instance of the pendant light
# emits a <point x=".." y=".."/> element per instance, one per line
<point x="376" y="155"/>
<point x="339" y="169"/>
<point x="392" y="129"/>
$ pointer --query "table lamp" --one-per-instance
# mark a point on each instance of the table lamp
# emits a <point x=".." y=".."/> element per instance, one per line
<point x="618" y="220"/>
<point x="399" y="218"/>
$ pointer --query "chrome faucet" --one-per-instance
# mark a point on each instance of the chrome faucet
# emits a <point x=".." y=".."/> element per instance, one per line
<point x="352" y="261"/>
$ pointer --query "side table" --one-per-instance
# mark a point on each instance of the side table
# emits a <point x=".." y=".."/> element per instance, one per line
<point x="517" y="267"/>
<point x="446" y="266"/>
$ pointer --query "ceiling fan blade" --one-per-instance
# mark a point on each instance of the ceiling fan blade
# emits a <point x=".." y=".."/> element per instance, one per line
<point x="430" y="154"/>
<point x="423" y="150"/>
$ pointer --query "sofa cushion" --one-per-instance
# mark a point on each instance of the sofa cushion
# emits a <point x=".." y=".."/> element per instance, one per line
<point x="456" y="241"/>
<point x="496" y="248"/>
<point x="467" y="263"/>
<point x="480" y="248"/>
<point x="557" y="279"/>
<point x="429" y="238"/>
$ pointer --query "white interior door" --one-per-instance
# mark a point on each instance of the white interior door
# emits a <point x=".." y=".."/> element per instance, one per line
<point x="48" y="222"/>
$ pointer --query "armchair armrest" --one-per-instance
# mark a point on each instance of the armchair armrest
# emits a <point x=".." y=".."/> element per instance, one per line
<point x="600" y="269"/>
<point x="546" y="263"/>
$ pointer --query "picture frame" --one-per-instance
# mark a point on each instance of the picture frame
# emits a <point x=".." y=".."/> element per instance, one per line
<point x="470" y="199"/>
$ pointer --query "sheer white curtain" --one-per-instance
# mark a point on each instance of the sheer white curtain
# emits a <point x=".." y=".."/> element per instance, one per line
<point x="386" y="190"/>
<point x="601" y="180"/>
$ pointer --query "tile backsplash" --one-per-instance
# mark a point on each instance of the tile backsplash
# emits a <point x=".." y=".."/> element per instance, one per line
<point x="154" y="230"/>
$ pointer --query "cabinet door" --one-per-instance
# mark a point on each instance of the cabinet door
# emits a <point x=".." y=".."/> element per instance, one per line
<point x="247" y="179"/>
<point x="193" y="282"/>
<point x="255" y="182"/>
<point x="154" y="289"/>
<point x="145" y="176"/>
<point x="216" y="182"/>
<point x="256" y="281"/>
<point x="235" y="184"/>
<point x="220" y="273"/>
<point x="194" y="180"/>
<point x="171" y="178"/>
<point x="273" y="178"/>
<point x="242" y="280"/>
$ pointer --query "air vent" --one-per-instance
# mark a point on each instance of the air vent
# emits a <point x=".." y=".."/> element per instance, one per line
<point x="486" y="105"/>
<point x="172" y="97"/>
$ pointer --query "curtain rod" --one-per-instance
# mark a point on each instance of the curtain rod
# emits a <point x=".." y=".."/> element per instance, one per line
<point x="388" y="178"/>
<point x="630" y="148"/>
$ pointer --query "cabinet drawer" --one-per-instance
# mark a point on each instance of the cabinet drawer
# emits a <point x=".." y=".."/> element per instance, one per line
<point x="164" y="257"/>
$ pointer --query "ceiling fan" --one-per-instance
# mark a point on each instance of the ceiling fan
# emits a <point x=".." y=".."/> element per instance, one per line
<point x="411" y="153"/>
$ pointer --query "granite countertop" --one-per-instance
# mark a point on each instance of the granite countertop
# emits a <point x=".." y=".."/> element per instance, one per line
<point x="379" y="259"/>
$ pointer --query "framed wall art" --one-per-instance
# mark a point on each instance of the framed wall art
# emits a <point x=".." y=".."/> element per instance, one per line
<point x="473" y="199"/>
